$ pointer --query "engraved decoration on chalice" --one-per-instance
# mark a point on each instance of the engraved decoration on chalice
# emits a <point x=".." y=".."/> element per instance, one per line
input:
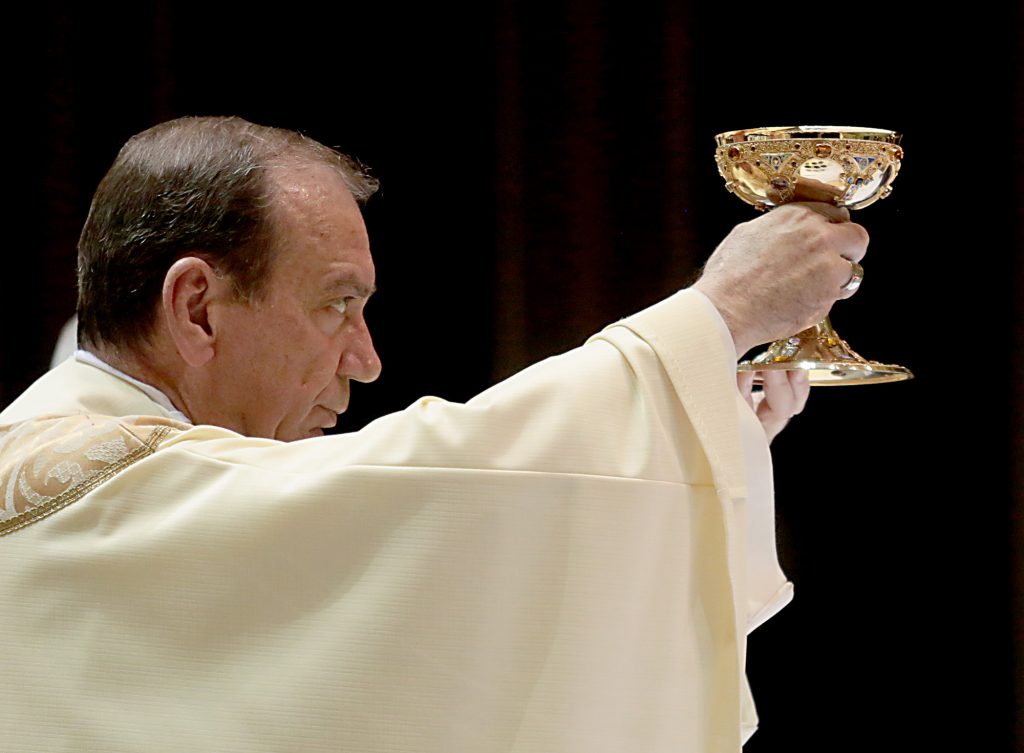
<point x="850" y="167"/>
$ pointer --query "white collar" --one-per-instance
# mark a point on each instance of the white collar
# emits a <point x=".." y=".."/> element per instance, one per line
<point x="158" y="397"/>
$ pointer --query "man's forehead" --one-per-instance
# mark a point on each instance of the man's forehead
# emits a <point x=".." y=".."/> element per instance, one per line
<point x="313" y="200"/>
<point x="305" y="185"/>
<point x="319" y="231"/>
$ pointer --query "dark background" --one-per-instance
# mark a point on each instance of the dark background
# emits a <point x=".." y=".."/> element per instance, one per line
<point x="548" y="169"/>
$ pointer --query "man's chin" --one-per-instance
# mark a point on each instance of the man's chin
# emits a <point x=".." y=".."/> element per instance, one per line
<point x="296" y="434"/>
<point x="317" y="423"/>
<point x="302" y="434"/>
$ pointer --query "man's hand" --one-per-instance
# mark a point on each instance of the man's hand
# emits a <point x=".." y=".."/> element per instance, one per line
<point x="780" y="273"/>
<point x="785" y="394"/>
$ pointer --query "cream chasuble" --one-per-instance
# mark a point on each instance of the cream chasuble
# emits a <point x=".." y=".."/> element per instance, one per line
<point x="568" y="562"/>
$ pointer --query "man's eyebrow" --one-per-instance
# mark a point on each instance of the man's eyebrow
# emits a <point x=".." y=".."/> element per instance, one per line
<point x="346" y="283"/>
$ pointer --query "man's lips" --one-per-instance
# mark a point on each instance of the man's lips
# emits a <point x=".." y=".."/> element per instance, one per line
<point x="327" y="418"/>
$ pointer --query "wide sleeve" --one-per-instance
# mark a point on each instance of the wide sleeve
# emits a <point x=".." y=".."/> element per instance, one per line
<point x="639" y="400"/>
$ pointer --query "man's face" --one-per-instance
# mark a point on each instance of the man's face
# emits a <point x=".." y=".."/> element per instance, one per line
<point x="285" y="366"/>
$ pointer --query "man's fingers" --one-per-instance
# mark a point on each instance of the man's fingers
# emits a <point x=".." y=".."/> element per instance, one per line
<point x="745" y="382"/>
<point x="808" y="189"/>
<point x="778" y="396"/>
<point x="800" y="384"/>
<point x="847" y="243"/>
<point x="830" y="212"/>
<point x="850" y="239"/>
<point x="785" y="392"/>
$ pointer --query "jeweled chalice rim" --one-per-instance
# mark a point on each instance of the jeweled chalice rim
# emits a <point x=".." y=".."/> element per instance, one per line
<point x="785" y="133"/>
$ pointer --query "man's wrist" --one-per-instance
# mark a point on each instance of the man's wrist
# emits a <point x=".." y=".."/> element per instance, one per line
<point x="738" y="332"/>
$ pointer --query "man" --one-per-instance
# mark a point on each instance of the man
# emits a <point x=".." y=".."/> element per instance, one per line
<point x="569" y="561"/>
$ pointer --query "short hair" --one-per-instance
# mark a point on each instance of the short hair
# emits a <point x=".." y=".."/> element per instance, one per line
<point x="193" y="186"/>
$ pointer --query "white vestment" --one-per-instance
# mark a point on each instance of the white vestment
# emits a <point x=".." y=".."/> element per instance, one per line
<point x="568" y="562"/>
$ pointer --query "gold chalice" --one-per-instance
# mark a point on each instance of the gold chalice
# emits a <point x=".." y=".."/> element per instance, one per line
<point x="850" y="167"/>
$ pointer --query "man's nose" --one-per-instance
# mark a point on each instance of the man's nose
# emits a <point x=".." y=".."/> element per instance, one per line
<point x="359" y="360"/>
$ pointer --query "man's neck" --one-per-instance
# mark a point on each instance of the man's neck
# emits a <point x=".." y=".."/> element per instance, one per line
<point x="142" y="378"/>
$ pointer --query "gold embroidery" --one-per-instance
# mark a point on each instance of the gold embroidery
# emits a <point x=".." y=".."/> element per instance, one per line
<point x="39" y="457"/>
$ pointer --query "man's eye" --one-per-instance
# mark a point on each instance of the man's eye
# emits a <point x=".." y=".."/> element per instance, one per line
<point x="340" y="306"/>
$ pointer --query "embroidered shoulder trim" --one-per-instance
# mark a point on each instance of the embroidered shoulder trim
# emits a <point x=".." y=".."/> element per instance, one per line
<point x="47" y="464"/>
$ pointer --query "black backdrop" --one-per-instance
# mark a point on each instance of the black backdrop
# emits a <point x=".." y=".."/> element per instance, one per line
<point x="548" y="169"/>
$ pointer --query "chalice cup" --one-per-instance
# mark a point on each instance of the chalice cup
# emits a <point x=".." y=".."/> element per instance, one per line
<point x="849" y="167"/>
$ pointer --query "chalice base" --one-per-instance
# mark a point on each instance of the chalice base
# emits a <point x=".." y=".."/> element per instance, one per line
<point x="828" y="360"/>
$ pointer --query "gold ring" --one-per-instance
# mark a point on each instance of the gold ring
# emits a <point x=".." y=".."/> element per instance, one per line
<point x="856" y="277"/>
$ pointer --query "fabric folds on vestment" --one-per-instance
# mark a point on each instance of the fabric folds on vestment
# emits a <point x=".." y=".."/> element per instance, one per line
<point x="560" y="564"/>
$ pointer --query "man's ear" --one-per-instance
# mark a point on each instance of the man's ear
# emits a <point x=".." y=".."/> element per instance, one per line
<point x="190" y="286"/>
